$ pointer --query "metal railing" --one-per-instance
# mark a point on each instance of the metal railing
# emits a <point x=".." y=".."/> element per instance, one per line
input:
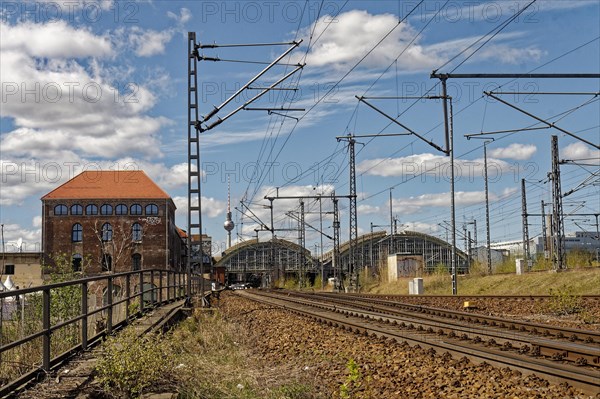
<point x="62" y="315"/>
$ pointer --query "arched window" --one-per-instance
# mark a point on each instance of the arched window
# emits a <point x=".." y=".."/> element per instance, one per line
<point x="91" y="209"/>
<point x="106" y="263"/>
<point x="121" y="209"/>
<point x="151" y="209"/>
<point x="107" y="232"/>
<point x="76" y="209"/>
<point x="136" y="232"/>
<point x="60" y="210"/>
<point x="136" y="262"/>
<point x="77" y="261"/>
<point x="136" y="209"/>
<point x="77" y="233"/>
<point x="106" y="209"/>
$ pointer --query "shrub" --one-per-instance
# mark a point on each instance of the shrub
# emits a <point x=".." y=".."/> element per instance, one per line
<point x="564" y="302"/>
<point x="129" y="365"/>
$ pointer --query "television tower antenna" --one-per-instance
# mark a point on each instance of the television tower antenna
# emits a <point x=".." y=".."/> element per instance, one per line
<point x="228" y="225"/>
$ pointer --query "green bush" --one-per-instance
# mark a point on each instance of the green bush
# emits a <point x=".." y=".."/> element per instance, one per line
<point x="129" y="365"/>
<point x="353" y="380"/>
<point x="564" y="302"/>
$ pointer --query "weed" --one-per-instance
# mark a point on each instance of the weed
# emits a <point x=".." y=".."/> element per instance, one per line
<point x="564" y="302"/>
<point x="353" y="379"/>
<point x="129" y="365"/>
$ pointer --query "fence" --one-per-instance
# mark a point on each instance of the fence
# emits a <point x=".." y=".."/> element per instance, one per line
<point x="41" y="326"/>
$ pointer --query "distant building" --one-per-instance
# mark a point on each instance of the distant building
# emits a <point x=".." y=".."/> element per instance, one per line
<point x="497" y="256"/>
<point x="24" y="268"/>
<point x="585" y="240"/>
<point x="119" y="220"/>
<point x="580" y="240"/>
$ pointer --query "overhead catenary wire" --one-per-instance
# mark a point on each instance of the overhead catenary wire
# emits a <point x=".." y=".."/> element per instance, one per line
<point x="320" y="99"/>
<point x="333" y="154"/>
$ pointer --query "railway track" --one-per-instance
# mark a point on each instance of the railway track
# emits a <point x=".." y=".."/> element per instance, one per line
<point x="545" y="353"/>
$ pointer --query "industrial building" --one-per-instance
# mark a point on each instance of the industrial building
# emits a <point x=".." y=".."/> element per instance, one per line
<point x="111" y="221"/>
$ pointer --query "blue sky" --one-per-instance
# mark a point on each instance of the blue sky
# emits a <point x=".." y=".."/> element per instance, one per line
<point x="89" y="85"/>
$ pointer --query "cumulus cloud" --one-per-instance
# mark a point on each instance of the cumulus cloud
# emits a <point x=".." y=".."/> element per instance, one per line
<point x="61" y="103"/>
<point x="421" y="227"/>
<point x="365" y="209"/>
<point x="23" y="178"/>
<point x="514" y="151"/>
<point x="356" y="32"/>
<point x="66" y="112"/>
<point x="211" y="208"/>
<point x="31" y="39"/>
<point x="184" y="16"/>
<point x="428" y="165"/>
<point x="409" y="205"/>
<point x="580" y="151"/>
<point x="146" y="43"/>
<point x="28" y="238"/>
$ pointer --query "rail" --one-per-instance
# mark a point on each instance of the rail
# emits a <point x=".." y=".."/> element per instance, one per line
<point x="70" y="316"/>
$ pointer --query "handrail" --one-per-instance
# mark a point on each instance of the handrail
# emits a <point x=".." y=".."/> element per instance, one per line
<point x="164" y="287"/>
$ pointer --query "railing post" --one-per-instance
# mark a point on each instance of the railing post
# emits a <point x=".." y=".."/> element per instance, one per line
<point x="168" y="286"/>
<point x="152" y="289"/>
<point x="109" y="309"/>
<point x="141" y="291"/>
<point x="128" y="296"/>
<point x="46" y="327"/>
<point x="160" y="286"/>
<point x="84" y="313"/>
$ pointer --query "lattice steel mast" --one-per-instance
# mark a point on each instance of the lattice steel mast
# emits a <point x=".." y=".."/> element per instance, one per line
<point x="558" y="255"/>
<point x="525" y="224"/>
<point x="353" y="270"/>
<point x="194" y="215"/>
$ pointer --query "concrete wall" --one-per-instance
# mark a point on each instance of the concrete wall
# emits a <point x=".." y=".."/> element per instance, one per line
<point x="400" y="265"/>
<point x="27" y="266"/>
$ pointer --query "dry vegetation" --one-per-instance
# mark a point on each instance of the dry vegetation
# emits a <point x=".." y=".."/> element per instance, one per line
<point x="578" y="281"/>
<point x="245" y="350"/>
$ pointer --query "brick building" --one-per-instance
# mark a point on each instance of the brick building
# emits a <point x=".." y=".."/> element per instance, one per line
<point x="115" y="221"/>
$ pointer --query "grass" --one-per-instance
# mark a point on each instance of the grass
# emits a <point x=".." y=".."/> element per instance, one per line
<point x="582" y="282"/>
<point x="206" y="356"/>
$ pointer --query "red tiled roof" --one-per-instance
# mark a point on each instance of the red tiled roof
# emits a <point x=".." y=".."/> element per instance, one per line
<point x="182" y="233"/>
<point x="108" y="184"/>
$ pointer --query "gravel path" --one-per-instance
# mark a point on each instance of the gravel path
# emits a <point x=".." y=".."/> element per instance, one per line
<point x="344" y="365"/>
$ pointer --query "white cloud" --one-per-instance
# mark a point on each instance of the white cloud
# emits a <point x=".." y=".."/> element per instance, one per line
<point x="30" y="238"/>
<point x="495" y="12"/>
<point x="426" y="165"/>
<point x="426" y="228"/>
<point x="440" y="199"/>
<point x="62" y="106"/>
<point x="67" y="7"/>
<point x="146" y="43"/>
<point x="365" y="209"/>
<point x="31" y="39"/>
<point x="410" y="205"/>
<point x="580" y="151"/>
<point x="184" y="16"/>
<point x="37" y="221"/>
<point x="514" y="151"/>
<point x="211" y="207"/>
<point x="356" y="32"/>
<point x="22" y="178"/>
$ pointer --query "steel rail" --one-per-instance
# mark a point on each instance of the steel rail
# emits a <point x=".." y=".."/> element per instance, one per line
<point x="495" y="332"/>
<point x="546" y="330"/>
<point x="581" y="378"/>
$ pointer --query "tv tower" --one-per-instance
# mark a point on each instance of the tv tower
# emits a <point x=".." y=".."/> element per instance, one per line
<point x="228" y="225"/>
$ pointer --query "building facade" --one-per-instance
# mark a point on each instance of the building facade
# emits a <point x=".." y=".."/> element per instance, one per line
<point x="111" y="221"/>
<point x="24" y="268"/>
